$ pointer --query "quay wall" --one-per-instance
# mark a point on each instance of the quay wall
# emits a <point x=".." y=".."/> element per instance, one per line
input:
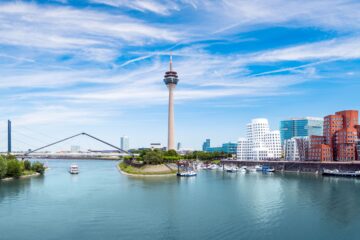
<point x="296" y="166"/>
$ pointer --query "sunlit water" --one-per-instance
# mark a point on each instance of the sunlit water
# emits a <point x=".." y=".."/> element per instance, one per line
<point x="101" y="203"/>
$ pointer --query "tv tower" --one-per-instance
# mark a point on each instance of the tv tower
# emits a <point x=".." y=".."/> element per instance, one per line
<point x="170" y="80"/>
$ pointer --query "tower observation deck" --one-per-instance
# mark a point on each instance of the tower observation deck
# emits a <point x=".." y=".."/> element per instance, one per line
<point x="171" y="76"/>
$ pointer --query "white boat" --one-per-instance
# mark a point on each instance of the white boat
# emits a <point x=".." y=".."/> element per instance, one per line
<point x="231" y="169"/>
<point x="74" y="169"/>
<point x="187" y="174"/>
<point x="243" y="169"/>
<point x="212" y="167"/>
<point x="258" y="168"/>
<point x="251" y="169"/>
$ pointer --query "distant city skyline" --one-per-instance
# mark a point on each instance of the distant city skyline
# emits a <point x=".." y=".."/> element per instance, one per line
<point x="97" y="66"/>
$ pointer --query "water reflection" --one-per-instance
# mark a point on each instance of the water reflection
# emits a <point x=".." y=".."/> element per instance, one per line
<point x="12" y="189"/>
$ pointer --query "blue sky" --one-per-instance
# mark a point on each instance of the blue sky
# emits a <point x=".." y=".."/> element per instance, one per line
<point x="97" y="66"/>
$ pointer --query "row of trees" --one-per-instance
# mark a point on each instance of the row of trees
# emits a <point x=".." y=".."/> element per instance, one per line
<point x="11" y="167"/>
<point x="206" y="156"/>
<point x="156" y="156"/>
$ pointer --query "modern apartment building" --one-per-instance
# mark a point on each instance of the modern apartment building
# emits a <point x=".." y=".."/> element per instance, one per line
<point x="341" y="132"/>
<point x="301" y="127"/>
<point x="297" y="149"/>
<point x="260" y="142"/>
<point x="319" y="151"/>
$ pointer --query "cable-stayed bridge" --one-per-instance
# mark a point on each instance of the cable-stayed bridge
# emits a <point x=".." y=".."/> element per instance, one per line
<point x="25" y="143"/>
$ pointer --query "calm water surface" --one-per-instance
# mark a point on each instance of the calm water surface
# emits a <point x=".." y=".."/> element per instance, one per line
<point x="101" y="203"/>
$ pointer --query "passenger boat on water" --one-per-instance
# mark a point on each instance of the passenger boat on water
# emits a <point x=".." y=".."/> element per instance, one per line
<point x="74" y="169"/>
<point x="336" y="172"/>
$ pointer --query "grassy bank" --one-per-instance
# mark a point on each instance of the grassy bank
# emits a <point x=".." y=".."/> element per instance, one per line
<point x="146" y="170"/>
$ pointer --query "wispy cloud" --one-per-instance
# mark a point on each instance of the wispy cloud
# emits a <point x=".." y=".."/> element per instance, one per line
<point x="97" y="36"/>
<point x="158" y="7"/>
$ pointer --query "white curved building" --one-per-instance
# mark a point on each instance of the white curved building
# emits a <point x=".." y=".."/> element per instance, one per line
<point x="260" y="143"/>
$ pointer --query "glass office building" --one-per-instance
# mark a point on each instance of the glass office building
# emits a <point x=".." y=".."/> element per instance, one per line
<point x="301" y="127"/>
<point x="206" y="145"/>
<point x="226" y="148"/>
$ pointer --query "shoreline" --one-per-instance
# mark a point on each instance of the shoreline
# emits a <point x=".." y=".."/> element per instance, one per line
<point x="299" y="166"/>
<point x="144" y="175"/>
<point x="21" y="177"/>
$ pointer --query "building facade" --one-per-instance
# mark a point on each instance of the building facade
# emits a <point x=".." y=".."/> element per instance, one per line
<point x="319" y="151"/>
<point x="260" y="142"/>
<point x="301" y="127"/>
<point x="225" y="148"/>
<point x="206" y="145"/>
<point x="297" y="149"/>
<point x="125" y="143"/>
<point x="339" y="141"/>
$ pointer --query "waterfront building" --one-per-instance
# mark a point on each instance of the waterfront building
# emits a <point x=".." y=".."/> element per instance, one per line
<point x="243" y="149"/>
<point x="229" y="147"/>
<point x="301" y="127"/>
<point x="171" y="79"/>
<point x="261" y="143"/>
<point x="124" y="143"/>
<point x="206" y="145"/>
<point x="297" y="148"/>
<point x="341" y="131"/>
<point x="225" y="147"/>
<point x="319" y="151"/>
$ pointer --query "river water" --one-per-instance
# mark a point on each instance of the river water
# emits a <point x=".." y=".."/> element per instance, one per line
<point x="101" y="203"/>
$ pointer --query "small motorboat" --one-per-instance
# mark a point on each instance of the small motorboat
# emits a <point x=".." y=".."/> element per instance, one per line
<point x="243" y="169"/>
<point x="212" y="167"/>
<point x="251" y="169"/>
<point x="187" y="174"/>
<point x="231" y="169"/>
<point x="74" y="169"/>
<point x="258" y="168"/>
<point x="267" y="169"/>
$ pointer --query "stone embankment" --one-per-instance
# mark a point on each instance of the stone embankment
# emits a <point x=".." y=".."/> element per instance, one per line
<point x="296" y="166"/>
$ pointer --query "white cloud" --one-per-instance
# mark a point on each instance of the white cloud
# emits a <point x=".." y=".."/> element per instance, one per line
<point x="342" y="48"/>
<point x="242" y="15"/>
<point x="95" y="35"/>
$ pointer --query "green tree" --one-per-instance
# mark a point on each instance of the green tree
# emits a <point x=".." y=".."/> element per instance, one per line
<point x="3" y="167"/>
<point x="13" y="168"/>
<point x="171" y="153"/>
<point x="38" y="167"/>
<point x="153" y="157"/>
<point x="27" y="165"/>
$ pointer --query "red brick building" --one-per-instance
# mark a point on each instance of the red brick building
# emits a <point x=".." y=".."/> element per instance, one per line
<point x="319" y="151"/>
<point x="341" y="132"/>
